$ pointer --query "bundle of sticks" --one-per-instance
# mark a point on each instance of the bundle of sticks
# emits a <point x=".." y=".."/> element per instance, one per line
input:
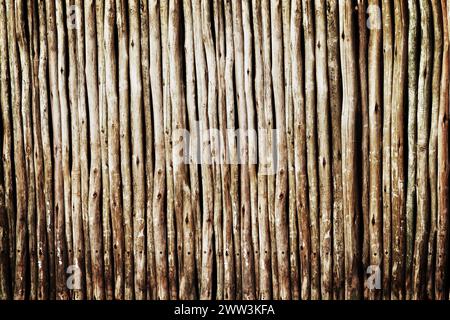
<point x="224" y="149"/>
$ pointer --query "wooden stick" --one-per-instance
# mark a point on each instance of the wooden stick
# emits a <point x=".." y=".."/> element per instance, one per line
<point x="125" y="152"/>
<point x="310" y="100"/>
<point x="432" y="144"/>
<point x="413" y="28"/>
<point x="387" y="115"/>
<point x="334" y="80"/>
<point x="105" y="194"/>
<point x="159" y="222"/>
<point x="375" y="149"/>
<point x="442" y="167"/>
<point x="349" y="182"/>
<point x="424" y="100"/>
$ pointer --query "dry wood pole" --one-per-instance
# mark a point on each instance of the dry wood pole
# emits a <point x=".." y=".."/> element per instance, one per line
<point x="442" y="165"/>
<point x="349" y="182"/>
<point x="423" y="112"/>
<point x="386" y="165"/>
<point x="413" y="29"/>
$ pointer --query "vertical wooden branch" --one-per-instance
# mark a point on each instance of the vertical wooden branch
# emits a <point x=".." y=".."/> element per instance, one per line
<point x="125" y="162"/>
<point x="310" y="101"/>
<point x="159" y="221"/>
<point x="334" y="82"/>
<point x="423" y="112"/>
<point x="413" y="29"/>
<point x="375" y="145"/>
<point x="387" y="115"/>
<point x="349" y="182"/>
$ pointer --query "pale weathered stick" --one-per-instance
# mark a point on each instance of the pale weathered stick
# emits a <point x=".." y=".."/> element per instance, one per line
<point x="146" y="95"/>
<point x="387" y="103"/>
<point x="423" y="112"/>
<point x="234" y="288"/>
<point x="301" y="179"/>
<point x="432" y="144"/>
<point x="397" y="150"/>
<point x="349" y="181"/>
<point x="252" y="140"/>
<point x="65" y="128"/>
<point x="311" y="123"/>
<point x="137" y="152"/>
<point x="170" y="212"/>
<point x="334" y="79"/>
<point x="95" y="175"/>
<point x="289" y="110"/>
<point x="442" y="167"/>
<point x="41" y="234"/>
<point x="281" y="224"/>
<point x="324" y="157"/>
<point x="125" y="152"/>
<point x="413" y="29"/>
<point x="105" y="194"/>
<point x="20" y="266"/>
<point x="83" y="131"/>
<point x="265" y="288"/>
<point x="7" y="151"/>
<point x="375" y="148"/>
<point x="114" y="150"/>
<point x="159" y="221"/>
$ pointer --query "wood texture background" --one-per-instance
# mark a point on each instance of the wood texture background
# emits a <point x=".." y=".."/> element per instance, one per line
<point x="348" y="199"/>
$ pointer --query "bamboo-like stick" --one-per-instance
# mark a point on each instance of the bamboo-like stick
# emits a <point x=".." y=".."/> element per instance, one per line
<point x="159" y="221"/>
<point x="41" y="237"/>
<point x="146" y="95"/>
<point x="234" y="289"/>
<point x="252" y="144"/>
<point x="423" y="112"/>
<point x="334" y="82"/>
<point x="194" y="134"/>
<point x="78" y="293"/>
<point x="324" y="157"/>
<point x="211" y="59"/>
<point x="83" y="122"/>
<point x="125" y="161"/>
<point x="363" y="135"/>
<point x="289" y="110"/>
<point x="311" y="124"/>
<point x="265" y="288"/>
<point x="65" y="128"/>
<point x="375" y="148"/>
<point x="227" y="217"/>
<point x="442" y="166"/>
<point x="301" y="179"/>
<point x="387" y="115"/>
<point x="7" y="147"/>
<point x="114" y="150"/>
<point x="432" y="144"/>
<point x="95" y="174"/>
<point x="59" y="216"/>
<point x="4" y="250"/>
<point x="171" y="229"/>
<point x="397" y="150"/>
<point x="413" y="28"/>
<point x="281" y="224"/>
<point x="103" y="114"/>
<point x="268" y="105"/>
<point x="26" y="85"/>
<point x="20" y="167"/>
<point x="349" y="182"/>
<point x="46" y="146"/>
<point x="248" y="277"/>
<point x="137" y="152"/>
